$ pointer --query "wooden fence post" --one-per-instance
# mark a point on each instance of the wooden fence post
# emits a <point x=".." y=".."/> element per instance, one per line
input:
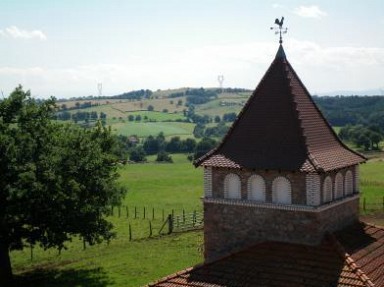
<point x="153" y="213"/>
<point x="170" y="224"/>
<point x="144" y="212"/>
<point x="150" y="228"/>
<point x="364" y="204"/>
<point x="135" y="212"/>
<point x="130" y="232"/>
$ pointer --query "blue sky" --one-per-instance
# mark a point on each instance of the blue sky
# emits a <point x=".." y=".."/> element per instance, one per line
<point x="65" y="48"/>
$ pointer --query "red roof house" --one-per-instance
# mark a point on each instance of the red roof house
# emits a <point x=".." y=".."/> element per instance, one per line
<point x="281" y="198"/>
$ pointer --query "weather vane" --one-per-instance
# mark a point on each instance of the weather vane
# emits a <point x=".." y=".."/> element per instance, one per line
<point x="280" y="30"/>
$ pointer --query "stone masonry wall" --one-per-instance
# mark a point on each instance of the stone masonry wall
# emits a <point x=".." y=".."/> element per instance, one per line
<point x="230" y="227"/>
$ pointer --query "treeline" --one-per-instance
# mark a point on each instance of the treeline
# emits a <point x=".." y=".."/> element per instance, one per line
<point x="199" y="96"/>
<point x="214" y="91"/>
<point x="361" y="118"/>
<point x="80" y="116"/>
<point x="344" y="110"/>
<point x="133" y="95"/>
<point x="130" y="147"/>
<point x="367" y="137"/>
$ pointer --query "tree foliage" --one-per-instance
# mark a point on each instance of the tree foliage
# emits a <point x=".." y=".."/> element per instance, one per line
<point x="56" y="180"/>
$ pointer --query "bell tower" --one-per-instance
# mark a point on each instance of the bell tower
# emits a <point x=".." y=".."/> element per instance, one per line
<point x="280" y="173"/>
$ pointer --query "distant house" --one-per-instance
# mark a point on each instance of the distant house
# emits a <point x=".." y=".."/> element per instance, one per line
<point x="133" y="139"/>
<point x="281" y="198"/>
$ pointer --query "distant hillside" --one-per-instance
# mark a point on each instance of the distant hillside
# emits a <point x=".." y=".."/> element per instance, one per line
<point x="141" y="112"/>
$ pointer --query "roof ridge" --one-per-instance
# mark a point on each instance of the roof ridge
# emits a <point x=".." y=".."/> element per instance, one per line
<point x="320" y="113"/>
<point x="350" y="261"/>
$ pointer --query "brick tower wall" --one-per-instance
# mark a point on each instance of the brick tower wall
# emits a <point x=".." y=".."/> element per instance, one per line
<point x="232" y="227"/>
<point x="234" y="224"/>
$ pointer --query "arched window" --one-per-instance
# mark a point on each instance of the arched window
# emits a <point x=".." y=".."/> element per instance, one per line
<point x="339" y="186"/>
<point x="256" y="188"/>
<point x="327" y="190"/>
<point x="232" y="186"/>
<point x="281" y="191"/>
<point x="348" y="183"/>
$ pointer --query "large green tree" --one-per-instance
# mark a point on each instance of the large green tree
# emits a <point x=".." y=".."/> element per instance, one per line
<point x="56" y="181"/>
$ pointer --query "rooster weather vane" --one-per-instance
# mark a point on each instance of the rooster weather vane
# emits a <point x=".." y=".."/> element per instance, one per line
<point x="280" y="30"/>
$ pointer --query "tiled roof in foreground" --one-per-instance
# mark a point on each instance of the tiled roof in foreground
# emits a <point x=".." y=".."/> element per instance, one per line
<point x="352" y="257"/>
<point x="280" y="127"/>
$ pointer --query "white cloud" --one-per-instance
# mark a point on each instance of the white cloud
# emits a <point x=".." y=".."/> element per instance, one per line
<point x="310" y="12"/>
<point x="277" y="5"/>
<point x="321" y="68"/>
<point x="17" y="33"/>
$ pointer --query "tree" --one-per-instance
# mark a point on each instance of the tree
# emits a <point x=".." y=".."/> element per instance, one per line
<point x="229" y="117"/>
<point x="204" y="146"/>
<point x="151" y="145"/>
<point x="163" y="156"/>
<point x="137" y="154"/>
<point x="150" y="108"/>
<point x="188" y="145"/>
<point x="56" y="180"/>
<point x="174" y="145"/>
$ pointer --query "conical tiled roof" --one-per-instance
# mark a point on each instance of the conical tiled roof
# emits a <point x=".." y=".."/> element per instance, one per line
<point x="281" y="128"/>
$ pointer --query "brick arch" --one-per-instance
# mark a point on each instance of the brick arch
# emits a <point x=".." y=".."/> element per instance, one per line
<point x="232" y="186"/>
<point x="348" y="183"/>
<point x="327" y="190"/>
<point x="339" y="186"/>
<point x="256" y="188"/>
<point x="281" y="190"/>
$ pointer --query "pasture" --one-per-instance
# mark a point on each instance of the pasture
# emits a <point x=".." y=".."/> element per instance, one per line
<point x="123" y="262"/>
<point x="145" y="129"/>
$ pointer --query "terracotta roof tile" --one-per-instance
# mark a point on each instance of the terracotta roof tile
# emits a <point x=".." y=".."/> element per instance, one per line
<point x="280" y="127"/>
<point x="352" y="257"/>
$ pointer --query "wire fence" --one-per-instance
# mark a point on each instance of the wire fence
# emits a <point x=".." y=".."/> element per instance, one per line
<point x="371" y="205"/>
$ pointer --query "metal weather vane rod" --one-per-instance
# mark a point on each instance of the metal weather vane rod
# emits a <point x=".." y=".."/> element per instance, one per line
<point x="279" y="29"/>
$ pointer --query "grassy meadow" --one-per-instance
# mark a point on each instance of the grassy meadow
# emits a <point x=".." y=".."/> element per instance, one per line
<point x="145" y="129"/>
<point x="123" y="262"/>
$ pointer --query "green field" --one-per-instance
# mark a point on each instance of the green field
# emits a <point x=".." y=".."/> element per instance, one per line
<point x="157" y="116"/>
<point x="372" y="183"/>
<point x="127" y="263"/>
<point x="122" y="262"/>
<point x="145" y="129"/>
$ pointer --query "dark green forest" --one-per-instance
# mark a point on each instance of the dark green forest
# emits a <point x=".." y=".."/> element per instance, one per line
<point x="361" y="118"/>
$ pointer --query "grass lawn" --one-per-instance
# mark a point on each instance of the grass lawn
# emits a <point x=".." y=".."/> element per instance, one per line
<point x="174" y="186"/>
<point x="372" y="183"/>
<point x="134" y="263"/>
<point x="157" y="116"/>
<point x="142" y="129"/>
